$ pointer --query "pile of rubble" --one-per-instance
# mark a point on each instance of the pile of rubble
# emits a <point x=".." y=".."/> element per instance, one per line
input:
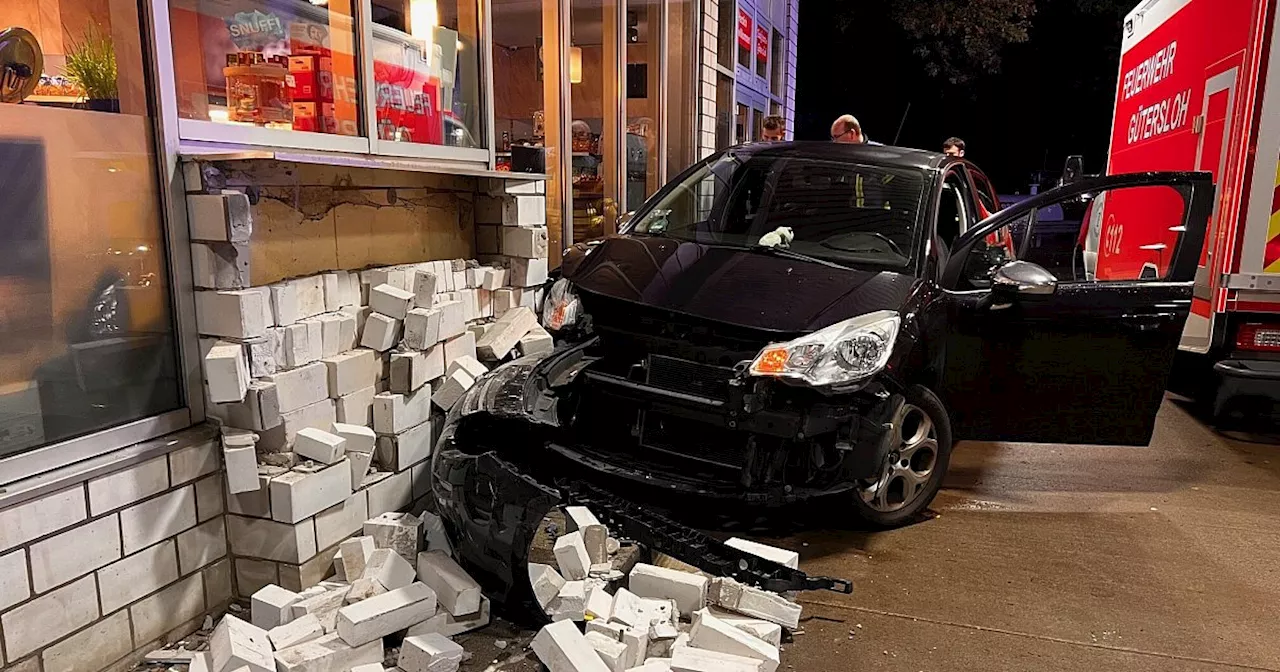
<point x="662" y="620"/>
<point x="384" y="588"/>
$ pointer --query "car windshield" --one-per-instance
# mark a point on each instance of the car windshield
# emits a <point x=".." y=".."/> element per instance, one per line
<point x="841" y="211"/>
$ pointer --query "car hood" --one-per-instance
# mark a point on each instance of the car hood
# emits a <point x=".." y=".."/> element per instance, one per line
<point x="735" y="286"/>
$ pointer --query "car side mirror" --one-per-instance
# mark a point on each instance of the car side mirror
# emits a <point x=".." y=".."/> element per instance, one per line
<point x="1022" y="279"/>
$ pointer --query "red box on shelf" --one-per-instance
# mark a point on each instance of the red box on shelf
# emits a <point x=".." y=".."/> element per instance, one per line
<point x="312" y="78"/>
<point x="314" y="117"/>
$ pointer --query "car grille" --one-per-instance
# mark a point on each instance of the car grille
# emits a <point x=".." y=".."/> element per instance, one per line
<point x="694" y="440"/>
<point x="681" y="375"/>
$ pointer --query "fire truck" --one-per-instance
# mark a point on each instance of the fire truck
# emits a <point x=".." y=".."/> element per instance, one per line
<point x="1199" y="89"/>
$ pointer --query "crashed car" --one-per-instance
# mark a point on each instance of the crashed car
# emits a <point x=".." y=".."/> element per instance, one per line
<point x="793" y="321"/>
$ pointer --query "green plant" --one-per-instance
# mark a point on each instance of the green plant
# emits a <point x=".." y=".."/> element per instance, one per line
<point x="91" y="64"/>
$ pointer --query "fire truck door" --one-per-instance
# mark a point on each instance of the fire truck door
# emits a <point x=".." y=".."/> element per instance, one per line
<point x="1211" y="156"/>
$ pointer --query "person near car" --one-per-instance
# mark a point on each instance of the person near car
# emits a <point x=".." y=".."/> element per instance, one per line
<point x="846" y="129"/>
<point x="774" y="129"/>
<point x="953" y="146"/>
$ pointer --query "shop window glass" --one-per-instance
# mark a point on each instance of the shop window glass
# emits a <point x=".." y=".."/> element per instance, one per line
<point x="595" y="127"/>
<point x="683" y="81"/>
<point x="643" y="53"/>
<point x="281" y="64"/>
<point x="761" y="47"/>
<point x="426" y="71"/>
<point x="776" y="80"/>
<point x="724" y="111"/>
<point x="86" y="336"/>
<point x="726" y="27"/>
<point x="744" y="36"/>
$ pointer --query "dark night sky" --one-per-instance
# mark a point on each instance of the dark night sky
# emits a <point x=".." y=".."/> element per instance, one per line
<point x="1053" y="96"/>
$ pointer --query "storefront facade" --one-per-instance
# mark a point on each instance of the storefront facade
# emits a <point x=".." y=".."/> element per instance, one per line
<point x="354" y="134"/>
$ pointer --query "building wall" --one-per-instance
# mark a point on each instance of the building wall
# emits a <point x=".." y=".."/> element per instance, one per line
<point x="118" y="563"/>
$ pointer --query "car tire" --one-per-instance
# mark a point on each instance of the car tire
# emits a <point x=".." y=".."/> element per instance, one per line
<point x="908" y="481"/>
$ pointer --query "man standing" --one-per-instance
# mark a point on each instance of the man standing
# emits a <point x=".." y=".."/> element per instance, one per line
<point x="774" y="129"/>
<point x="846" y="129"/>
<point x="953" y="147"/>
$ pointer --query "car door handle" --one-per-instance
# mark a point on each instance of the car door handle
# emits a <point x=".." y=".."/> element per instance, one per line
<point x="1147" y="321"/>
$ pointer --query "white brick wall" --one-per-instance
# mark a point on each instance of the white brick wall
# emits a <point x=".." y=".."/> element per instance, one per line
<point x="92" y="575"/>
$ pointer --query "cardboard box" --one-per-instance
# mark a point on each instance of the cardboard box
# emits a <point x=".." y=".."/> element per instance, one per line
<point x="312" y="78"/>
<point x="315" y="117"/>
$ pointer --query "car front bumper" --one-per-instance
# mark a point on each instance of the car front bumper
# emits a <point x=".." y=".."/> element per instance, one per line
<point x="1246" y="378"/>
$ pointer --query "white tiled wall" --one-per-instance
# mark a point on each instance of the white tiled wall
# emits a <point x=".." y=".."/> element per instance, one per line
<point x="105" y="568"/>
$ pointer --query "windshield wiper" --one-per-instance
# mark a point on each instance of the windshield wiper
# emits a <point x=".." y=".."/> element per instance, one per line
<point x="787" y="253"/>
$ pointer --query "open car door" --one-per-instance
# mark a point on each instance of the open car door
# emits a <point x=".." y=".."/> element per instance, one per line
<point x="1038" y="351"/>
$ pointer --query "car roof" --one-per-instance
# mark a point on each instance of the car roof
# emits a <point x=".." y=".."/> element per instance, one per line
<point x="876" y="155"/>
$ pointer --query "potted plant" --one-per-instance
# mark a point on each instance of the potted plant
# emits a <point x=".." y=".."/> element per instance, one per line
<point x="91" y="65"/>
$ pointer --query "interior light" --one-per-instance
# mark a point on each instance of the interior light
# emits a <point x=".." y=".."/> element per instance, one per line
<point x="575" y="65"/>
<point x="424" y="16"/>
<point x="220" y="116"/>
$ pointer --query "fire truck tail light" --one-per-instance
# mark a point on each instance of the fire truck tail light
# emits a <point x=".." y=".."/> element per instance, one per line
<point x="1258" y="337"/>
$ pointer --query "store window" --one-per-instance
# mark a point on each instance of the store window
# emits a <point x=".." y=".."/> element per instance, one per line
<point x="643" y="84"/>
<point x="276" y="64"/>
<point x="683" y="37"/>
<point x="86" y="334"/>
<point x="595" y="126"/>
<point x="762" y="50"/>
<point x="745" y="36"/>
<point x="725" y="27"/>
<point x="776" y="57"/>
<point x="426" y="72"/>
<point x="724" y="111"/>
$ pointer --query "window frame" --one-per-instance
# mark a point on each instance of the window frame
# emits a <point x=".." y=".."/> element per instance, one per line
<point x="195" y="135"/>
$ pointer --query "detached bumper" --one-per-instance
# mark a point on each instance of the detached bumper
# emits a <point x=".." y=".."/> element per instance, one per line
<point x="1246" y="378"/>
<point x="492" y="511"/>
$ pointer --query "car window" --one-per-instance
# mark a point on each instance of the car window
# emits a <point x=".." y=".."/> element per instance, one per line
<point x="955" y="213"/>
<point x="841" y="211"/>
<point x="985" y="192"/>
<point x="1119" y="235"/>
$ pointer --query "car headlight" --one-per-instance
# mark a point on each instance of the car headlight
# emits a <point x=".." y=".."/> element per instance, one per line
<point x="844" y="352"/>
<point x="561" y="309"/>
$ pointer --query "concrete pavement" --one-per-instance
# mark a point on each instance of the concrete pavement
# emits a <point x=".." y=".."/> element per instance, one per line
<point x="1040" y="557"/>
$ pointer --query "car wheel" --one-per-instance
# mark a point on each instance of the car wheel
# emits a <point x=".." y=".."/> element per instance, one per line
<point x="913" y="474"/>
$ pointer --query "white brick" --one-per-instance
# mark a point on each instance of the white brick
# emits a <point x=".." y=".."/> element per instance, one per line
<point x="387" y="567"/>
<point x="729" y="594"/>
<point x="452" y="320"/>
<point x="714" y="634"/>
<point x="260" y="410"/>
<point x="165" y="516"/>
<point x="400" y="451"/>
<point x="319" y="445"/>
<point x="330" y="335"/>
<point x="284" y="303"/>
<point x="392" y="493"/>
<point x="261" y="353"/>
<point x="296" y="348"/>
<point x="242" y="469"/>
<point x="87" y="650"/>
<point x="342" y="520"/>
<point x="360" y="463"/>
<point x="546" y="582"/>
<point x="332" y="285"/>
<point x="323" y="604"/>
<point x="563" y="649"/>
<point x="310" y="293"/>
<point x="782" y="556"/>
<point x="430" y="653"/>
<point x="529" y="242"/>
<point x="49" y="617"/>
<point x="301" y="387"/>
<point x="39" y="517"/>
<point x="390" y="301"/>
<point x="298" y="495"/>
<point x="235" y="643"/>
<point x="196" y="460"/>
<point x="599" y="604"/>
<point x="328" y="654"/>
<point x="395" y="276"/>
<point x="128" y="486"/>
<point x="494" y="278"/>
<point x="570" y="603"/>
<point x="250" y="575"/>
<point x="256" y="503"/>
<point x="271" y="540"/>
<point x="408" y="371"/>
<point x="424" y="288"/>
<point x="209" y="498"/>
<point x="571" y="555"/>
<point x="351" y="371"/>
<point x="355" y="555"/>
<point x="74" y="553"/>
<point x="511" y="210"/>
<point x="503" y="301"/>
<point x="202" y="545"/>
<point x="380" y="332"/>
<point x="611" y="651"/>
<point x="506" y="332"/>
<point x="384" y="614"/>
<point x="687" y="589"/>
<point x="232" y="313"/>
<point x="160" y="613"/>
<point x="357" y="408"/>
<point x="528" y="272"/>
<point x="319" y="415"/>
<point x="219" y="217"/>
<point x="359" y="438"/>
<point x="456" y="591"/>
<point x="594" y="534"/>
<point x="270" y="606"/>
<point x="757" y="627"/>
<point x="400" y="532"/>
<point x="463" y="345"/>
<point x="295" y="632"/>
<point x="452" y="389"/>
<point x="394" y="413"/>
<point x="422" y="328"/>
<point x="537" y="342"/>
<point x="226" y="372"/>
<point x="690" y="659"/>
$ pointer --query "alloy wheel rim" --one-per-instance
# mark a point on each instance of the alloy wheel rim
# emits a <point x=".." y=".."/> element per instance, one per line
<point x="907" y="473"/>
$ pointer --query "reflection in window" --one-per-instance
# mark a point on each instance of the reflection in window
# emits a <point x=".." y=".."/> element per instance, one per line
<point x="281" y="64"/>
<point x="85" y="330"/>
<point x="426" y="71"/>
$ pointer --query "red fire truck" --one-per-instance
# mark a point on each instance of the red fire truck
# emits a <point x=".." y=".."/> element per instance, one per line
<point x="1199" y="89"/>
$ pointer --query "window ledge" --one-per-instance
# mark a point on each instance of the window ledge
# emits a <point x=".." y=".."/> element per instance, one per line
<point x="219" y="152"/>
<point x="73" y="474"/>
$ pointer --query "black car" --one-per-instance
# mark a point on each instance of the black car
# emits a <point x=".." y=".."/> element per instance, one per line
<point x="792" y="321"/>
